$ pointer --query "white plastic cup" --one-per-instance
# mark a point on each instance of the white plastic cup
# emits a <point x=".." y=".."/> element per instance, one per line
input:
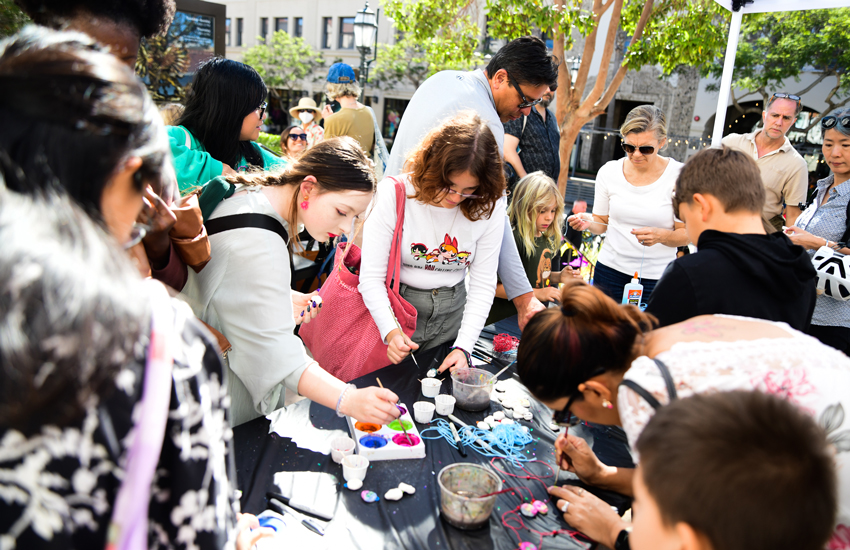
<point x="445" y="404"/>
<point x="354" y="467"/>
<point x="431" y="387"/>
<point x="423" y="411"/>
<point x="341" y="447"/>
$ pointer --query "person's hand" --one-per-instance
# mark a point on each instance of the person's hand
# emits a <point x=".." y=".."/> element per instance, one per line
<point x="588" y="514"/>
<point x="574" y="455"/>
<point x="804" y="238"/>
<point x="649" y="236"/>
<point x="305" y="307"/>
<point x="526" y="305"/>
<point x="249" y="531"/>
<point x="373" y="405"/>
<point x="160" y="219"/>
<point x="327" y="111"/>
<point x="580" y="222"/>
<point x="548" y="294"/>
<point x="226" y="170"/>
<point x="455" y="360"/>
<point x="574" y="273"/>
<point x="399" y="346"/>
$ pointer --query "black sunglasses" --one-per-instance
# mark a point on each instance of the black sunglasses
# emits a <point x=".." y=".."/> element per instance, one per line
<point x="564" y="417"/>
<point x="830" y="121"/>
<point x="296" y="137"/>
<point x="783" y="95"/>
<point x="525" y="101"/>
<point x="644" y="149"/>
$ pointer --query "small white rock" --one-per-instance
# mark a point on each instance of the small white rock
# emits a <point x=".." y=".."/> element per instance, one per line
<point x="394" y="494"/>
<point x="501" y="385"/>
<point x="431" y="373"/>
<point x="483" y="425"/>
<point x="489" y="419"/>
<point x="528" y="416"/>
<point x="508" y="421"/>
<point x="525" y="429"/>
<point x="409" y="489"/>
<point x="354" y="484"/>
<point x="525" y="402"/>
<point x="499" y="415"/>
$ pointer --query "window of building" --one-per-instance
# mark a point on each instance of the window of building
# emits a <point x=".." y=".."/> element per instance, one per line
<point x="346" y="33"/>
<point x="239" y="28"/>
<point x="281" y="24"/>
<point x="227" y="32"/>
<point x="327" y="32"/>
<point x="264" y="28"/>
<point x="299" y="27"/>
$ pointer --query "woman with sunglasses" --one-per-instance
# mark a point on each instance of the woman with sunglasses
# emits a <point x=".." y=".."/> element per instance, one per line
<point x="602" y="362"/>
<point x="293" y="143"/>
<point x="454" y="217"/>
<point x="215" y="135"/>
<point x="825" y="223"/>
<point x="633" y="207"/>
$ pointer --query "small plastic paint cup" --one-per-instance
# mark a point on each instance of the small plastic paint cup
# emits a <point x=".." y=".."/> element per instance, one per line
<point x="354" y="467"/>
<point x="445" y="404"/>
<point x="423" y="411"/>
<point x="431" y="387"/>
<point x="341" y="447"/>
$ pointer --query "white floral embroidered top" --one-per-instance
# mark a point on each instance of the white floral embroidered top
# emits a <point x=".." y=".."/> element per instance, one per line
<point x="798" y="368"/>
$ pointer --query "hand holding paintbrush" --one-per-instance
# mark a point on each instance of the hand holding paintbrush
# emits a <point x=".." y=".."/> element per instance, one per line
<point x="400" y="345"/>
<point x="400" y="410"/>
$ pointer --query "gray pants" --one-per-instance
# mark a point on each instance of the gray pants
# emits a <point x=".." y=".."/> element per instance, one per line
<point x="439" y="313"/>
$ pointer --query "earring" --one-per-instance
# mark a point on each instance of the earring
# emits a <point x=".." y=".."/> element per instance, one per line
<point x="607" y="404"/>
<point x="305" y="203"/>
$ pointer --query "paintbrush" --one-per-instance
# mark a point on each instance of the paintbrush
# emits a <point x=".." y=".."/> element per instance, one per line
<point x="495" y="376"/>
<point x="415" y="362"/>
<point x="400" y="421"/>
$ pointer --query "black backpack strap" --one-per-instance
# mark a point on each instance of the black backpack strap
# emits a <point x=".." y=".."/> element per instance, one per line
<point x="259" y="221"/>
<point x="641" y="391"/>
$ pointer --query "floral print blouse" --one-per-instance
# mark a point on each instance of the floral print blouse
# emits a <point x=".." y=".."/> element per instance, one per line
<point x="58" y="485"/>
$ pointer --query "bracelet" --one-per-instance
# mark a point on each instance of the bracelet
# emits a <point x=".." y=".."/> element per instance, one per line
<point x="465" y="353"/>
<point x="622" y="542"/>
<point x="341" y="396"/>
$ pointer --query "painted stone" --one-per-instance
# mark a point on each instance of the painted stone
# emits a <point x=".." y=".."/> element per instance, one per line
<point x="527" y="509"/>
<point x="540" y="506"/>
<point x="369" y="496"/>
<point x="527" y="546"/>
<point x="354" y="484"/>
<point x="431" y="373"/>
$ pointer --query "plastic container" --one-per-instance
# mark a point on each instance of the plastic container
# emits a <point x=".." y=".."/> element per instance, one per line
<point x="423" y="411"/>
<point x="633" y="292"/>
<point x="431" y="387"/>
<point x="341" y="447"/>
<point x="471" y="388"/>
<point x="354" y="467"/>
<point x="445" y="404"/>
<point x="462" y="487"/>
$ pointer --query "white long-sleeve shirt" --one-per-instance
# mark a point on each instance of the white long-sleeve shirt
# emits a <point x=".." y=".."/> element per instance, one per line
<point x="438" y="246"/>
<point x="244" y="292"/>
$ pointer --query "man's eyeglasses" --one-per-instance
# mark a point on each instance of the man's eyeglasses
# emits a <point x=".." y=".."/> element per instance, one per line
<point x="261" y="110"/>
<point x="451" y="191"/>
<point x="296" y="137"/>
<point x="830" y="121"/>
<point x="644" y="149"/>
<point x="783" y="95"/>
<point x="525" y="101"/>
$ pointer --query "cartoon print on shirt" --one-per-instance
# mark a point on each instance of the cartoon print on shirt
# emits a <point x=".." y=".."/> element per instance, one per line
<point x="418" y="250"/>
<point x="463" y="258"/>
<point x="544" y="268"/>
<point x="448" y="250"/>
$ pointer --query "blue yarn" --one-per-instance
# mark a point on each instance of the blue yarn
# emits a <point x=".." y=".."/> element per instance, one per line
<point x="505" y="441"/>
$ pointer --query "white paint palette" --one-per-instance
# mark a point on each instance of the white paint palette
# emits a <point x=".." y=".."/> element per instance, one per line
<point x="387" y="442"/>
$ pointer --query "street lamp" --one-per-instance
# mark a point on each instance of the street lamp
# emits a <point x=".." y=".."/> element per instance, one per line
<point x="366" y="39"/>
<point x="575" y="63"/>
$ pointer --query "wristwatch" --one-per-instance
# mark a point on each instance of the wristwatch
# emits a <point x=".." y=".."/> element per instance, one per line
<point x="622" y="542"/>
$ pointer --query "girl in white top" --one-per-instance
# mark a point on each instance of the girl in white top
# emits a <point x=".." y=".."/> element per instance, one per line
<point x="245" y="293"/>
<point x="610" y="346"/>
<point x="633" y="206"/>
<point x="453" y="223"/>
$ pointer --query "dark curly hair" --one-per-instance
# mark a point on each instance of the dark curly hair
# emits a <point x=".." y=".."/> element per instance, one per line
<point x="463" y="143"/>
<point x="148" y="17"/>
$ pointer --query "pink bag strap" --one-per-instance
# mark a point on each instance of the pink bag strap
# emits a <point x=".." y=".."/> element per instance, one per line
<point x="394" y="264"/>
<point x="128" y="529"/>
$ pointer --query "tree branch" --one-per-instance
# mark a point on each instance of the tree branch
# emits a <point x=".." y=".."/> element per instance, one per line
<point x="586" y="58"/>
<point x="607" y="52"/>
<point x="621" y="72"/>
<point x="815" y="83"/>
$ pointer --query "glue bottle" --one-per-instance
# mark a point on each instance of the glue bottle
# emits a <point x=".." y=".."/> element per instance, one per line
<point x="633" y="292"/>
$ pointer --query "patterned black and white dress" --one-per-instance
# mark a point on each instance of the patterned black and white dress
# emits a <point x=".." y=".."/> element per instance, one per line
<point x="58" y="485"/>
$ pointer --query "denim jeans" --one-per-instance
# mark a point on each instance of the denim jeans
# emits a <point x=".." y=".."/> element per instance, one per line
<point x="439" y="312"/>
<point x="611" y="282"/>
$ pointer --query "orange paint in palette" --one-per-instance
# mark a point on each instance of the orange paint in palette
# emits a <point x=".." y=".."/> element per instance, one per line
<point x="388" y="442"/>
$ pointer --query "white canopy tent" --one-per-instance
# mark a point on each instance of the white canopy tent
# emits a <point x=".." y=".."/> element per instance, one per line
<point x="754" y="6"/>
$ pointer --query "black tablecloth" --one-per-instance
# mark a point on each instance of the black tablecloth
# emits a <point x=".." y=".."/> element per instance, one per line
<point x="414" y="521"/>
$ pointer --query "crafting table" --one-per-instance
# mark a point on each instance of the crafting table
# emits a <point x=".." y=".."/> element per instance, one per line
<point x="413" y="522"/>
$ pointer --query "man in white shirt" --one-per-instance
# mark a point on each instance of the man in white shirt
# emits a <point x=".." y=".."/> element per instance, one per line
<point x="783" y="170"/>
<point x="515" y="80"/>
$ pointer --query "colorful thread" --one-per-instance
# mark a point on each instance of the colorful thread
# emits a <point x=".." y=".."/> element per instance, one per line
<point x="505" y="441"/>
<point x="504" y="343"/>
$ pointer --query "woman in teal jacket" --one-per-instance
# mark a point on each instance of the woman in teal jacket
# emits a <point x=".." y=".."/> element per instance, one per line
<point x="215" y="134"/>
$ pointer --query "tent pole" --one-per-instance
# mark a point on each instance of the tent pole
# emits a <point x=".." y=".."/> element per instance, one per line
<point x="726" y="80"/>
